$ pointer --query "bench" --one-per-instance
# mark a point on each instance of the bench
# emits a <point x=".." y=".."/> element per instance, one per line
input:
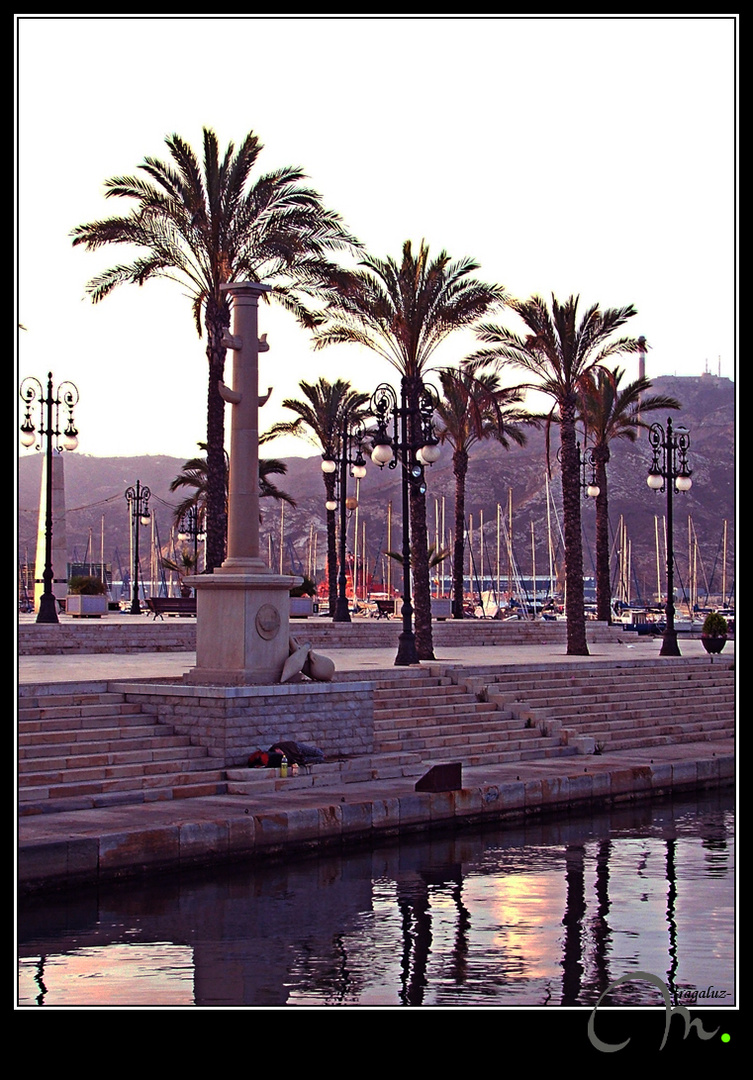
<point x="385" y="608"/>
<point x="171" y="605"/>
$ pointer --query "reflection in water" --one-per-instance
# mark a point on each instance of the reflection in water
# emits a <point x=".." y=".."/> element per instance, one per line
<point x="548" y="914"/>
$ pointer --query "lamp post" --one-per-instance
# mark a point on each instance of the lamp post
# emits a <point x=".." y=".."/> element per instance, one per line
<point x="138" y="501"/>
<point x="669" y="470"/>
<point x="351" y="454"/>
<point x="49" y="426"/>
<point x="191" y="529"/>
<point x="413" y="445"/>
<point x="588" y="461"/>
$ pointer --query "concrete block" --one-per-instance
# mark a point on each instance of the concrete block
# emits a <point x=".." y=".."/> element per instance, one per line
<point x="241" y="834"/>
<point x="442" y="805"/>
<point x="468" y="802"/>
<point x="385" y="814"/>
<point x="357" y="817"/>
<point x="303" y="824"/>
<point x="414" y="808"/>
<point x="445" y="777"/>
<point x="200" y="840"/>
<point x="271" y="829"/>
<point x="580" y="787"/>
<point x="684" y="772"/>
<point x="127" y="850"/>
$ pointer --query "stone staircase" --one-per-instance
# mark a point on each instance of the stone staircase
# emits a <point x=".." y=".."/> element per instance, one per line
<point x="611" y="707"/>
<point x="86" y="749"/>
<point x="436" y="719"/>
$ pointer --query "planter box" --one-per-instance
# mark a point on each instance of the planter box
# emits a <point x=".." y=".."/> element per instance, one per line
<point x="86" y="607"/>
<point x="441" y="608"/>
<point x="301" y="607"/>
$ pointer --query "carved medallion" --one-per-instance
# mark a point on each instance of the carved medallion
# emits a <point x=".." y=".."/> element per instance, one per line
<point x="268" y="622"/>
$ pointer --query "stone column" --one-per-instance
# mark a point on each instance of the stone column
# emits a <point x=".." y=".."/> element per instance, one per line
<point x="243" y="609"/>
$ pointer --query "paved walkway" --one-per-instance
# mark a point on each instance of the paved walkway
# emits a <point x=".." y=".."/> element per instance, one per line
<point x="64" y="848"/>
<point x="97" y="666"/>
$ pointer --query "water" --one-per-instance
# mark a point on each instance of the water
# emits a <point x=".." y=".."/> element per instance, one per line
<point x="549" y="914"/>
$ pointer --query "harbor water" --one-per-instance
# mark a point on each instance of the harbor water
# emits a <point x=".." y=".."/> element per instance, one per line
<point x="543" y="915"/>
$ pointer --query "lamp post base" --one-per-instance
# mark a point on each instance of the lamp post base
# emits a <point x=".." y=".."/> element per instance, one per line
<point x="669" y="646"/>
<point x="47" y="609"/>
<point x="342" y="614"/>
<point x="406" y="650"/>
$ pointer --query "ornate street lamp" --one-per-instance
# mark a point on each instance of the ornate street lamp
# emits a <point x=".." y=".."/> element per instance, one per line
<point x="413" y="444"/>
<point x="138" y="501"/>
<point x="669" y="469"/>
<point x="351" y="454"/>
<point x="49" y="427"/>
<point x="586" y="461"/>
<point x="191" y="528"/>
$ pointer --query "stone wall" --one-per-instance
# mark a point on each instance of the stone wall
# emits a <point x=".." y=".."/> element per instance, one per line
<point x="179" y="634"/>
<point x="232" y="722"/>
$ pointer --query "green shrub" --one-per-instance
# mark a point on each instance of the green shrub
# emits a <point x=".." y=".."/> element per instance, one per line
<point x="83" y="585"/>
<point x="306" y="588"/>
<point x="714" y="625"/>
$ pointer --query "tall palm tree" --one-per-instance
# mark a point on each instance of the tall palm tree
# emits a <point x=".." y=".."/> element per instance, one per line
<point x="204" y="226"/>
<point x="403" y="311"/>
<point x="193" y="476"/>
<point x="611" y="411"/>
<point x="474" y="406"/>
<point x="561" y="352"/>
<point x="319" y="420"/>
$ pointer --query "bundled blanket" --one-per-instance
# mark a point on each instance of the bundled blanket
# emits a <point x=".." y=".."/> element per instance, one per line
<point x="295" y="754"/>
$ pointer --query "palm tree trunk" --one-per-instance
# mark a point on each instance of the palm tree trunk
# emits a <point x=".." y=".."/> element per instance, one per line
<point x="419" y="542"/>
<point x="329" y="484"/>
<point x="576" y="616"/>
<point x="460" y="470"/>
<point x="421" y="589"/>
<point x="603" y="582"/>
<point x="217" y="321"/>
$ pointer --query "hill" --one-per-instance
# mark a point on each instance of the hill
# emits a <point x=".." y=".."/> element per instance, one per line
<point x="96" y="505"/>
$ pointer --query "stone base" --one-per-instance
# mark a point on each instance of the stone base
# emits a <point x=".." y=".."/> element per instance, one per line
<point x="242" y="628"/>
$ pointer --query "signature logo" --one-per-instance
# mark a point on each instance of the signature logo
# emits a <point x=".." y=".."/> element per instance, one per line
<point x="669" y="1012"/>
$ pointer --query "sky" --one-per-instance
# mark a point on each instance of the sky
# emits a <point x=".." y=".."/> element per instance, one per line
<point x="586" y="155"/>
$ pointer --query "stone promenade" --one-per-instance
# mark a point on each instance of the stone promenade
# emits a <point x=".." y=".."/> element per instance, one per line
<point x="542" y="759"/>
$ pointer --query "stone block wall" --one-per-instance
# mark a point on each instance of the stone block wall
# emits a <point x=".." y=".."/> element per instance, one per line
<point x="233" y="722"/>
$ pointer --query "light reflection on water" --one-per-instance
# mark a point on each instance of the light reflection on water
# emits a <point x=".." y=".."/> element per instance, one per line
<point x="546" y="914"/>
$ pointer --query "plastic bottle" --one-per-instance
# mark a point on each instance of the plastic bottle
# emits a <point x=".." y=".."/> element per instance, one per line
<point x="284" y="766"/>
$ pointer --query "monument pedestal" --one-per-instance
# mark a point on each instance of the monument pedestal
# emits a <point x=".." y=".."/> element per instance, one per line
<point x="242" y="628"/>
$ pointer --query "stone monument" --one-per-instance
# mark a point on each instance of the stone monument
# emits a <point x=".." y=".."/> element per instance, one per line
<point x="243" y="608"/>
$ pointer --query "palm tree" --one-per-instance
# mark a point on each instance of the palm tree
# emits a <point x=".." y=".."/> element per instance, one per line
<point x="611" y="411"/>
<point x="474" y="407"/>
<point x="561" y="352"/>
<point x="403" y="312"/>
<point x="204" y="227"/>
<point x="319" y="419"/>
<point x="194" y="477"/>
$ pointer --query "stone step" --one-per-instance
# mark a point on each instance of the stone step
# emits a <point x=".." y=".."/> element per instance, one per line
<point x="61" y="800"/>
<point x="127" y="715"/>
<point x="74" y="770"/>
<point x="111" y="740"/>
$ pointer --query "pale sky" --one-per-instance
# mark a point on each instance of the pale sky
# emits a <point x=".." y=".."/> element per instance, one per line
<point x="587" y="155"/>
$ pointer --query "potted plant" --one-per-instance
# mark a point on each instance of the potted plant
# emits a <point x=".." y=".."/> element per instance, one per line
<point x="87" y="597"/>
<point x="302" y="599"/>
<point x="714" y="632"/>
